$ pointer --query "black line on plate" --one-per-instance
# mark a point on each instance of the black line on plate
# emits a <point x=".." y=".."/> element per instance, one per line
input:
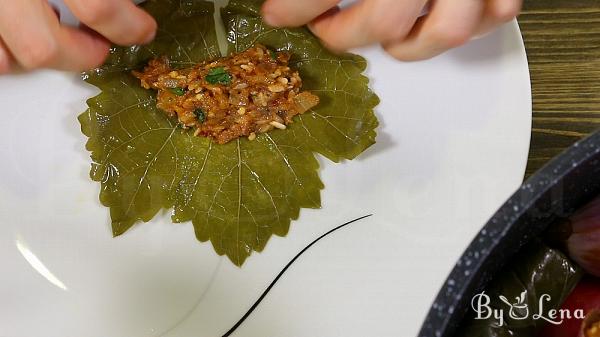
<point x="264" y="294"/>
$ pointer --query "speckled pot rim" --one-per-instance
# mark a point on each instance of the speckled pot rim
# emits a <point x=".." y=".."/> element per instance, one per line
<point x="566" y="183"/>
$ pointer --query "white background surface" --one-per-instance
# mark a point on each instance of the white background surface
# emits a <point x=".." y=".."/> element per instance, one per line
<point x="452" y="147"/>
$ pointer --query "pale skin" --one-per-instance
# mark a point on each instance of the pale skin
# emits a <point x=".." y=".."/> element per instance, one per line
<point x="31" y="36"/>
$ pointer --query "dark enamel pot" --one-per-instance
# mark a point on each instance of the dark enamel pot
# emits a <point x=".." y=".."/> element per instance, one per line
<point x="568" y="182"/>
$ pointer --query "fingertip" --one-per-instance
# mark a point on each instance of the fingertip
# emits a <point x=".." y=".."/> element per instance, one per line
<point x="120" y="21"/>
<point x="449" y="25"/>
<point x="330" y="44"/>
<point x="325" y="17"/>
<point x="151" y="35"/>
<point x="101" y="51"/>
<point x="150" y="28"/>
<point x="294" y="13"/>
<point x="325" y="29"/>
<point x="93" y="38"/>
<point x="269" y="15"/>
<point x="144" y="33"/>
<point x="409" y="51"/>
<point x="497" y="12"/>
<point x="270" y="19"/>
<point x="398" y="53"/>
<point x="89" y="49"/>
<point x="5" y="66"/>
<point x="504" y="11"/>
<point x="5" y="59"/>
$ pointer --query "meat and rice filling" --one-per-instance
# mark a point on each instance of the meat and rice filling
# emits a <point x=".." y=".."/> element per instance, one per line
<point x="242" y="95"/>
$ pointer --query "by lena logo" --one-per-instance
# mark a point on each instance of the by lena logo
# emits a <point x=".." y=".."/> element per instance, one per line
<point x="519" y="310"/>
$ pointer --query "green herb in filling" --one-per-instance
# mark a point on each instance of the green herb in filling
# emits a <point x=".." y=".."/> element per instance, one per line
<point x="200" y="115"/>
<point x="178" y="91"/>
<point x="218" y="76"/>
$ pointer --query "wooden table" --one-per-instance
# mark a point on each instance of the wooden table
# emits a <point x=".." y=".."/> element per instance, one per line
<point x="562" y="38"/>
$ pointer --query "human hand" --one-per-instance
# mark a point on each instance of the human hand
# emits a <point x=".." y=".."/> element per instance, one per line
<point x="32" y="37"/>
<point x="395" y="24"/>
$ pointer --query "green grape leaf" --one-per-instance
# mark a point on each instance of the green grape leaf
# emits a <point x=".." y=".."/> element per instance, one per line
<point x="343" y="125"/>
<point x="239" y="194"/>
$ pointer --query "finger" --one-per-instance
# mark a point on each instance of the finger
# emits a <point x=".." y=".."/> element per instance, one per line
<point x="449" y="24"/>
<point x="80" y="50"/>
<point x="41" y="42"/>
<point x="120" y="21"/>
<point x="498" y="12"/>
<point x="56" y="10"/>
<point x="294" y="13"/>
<point x="367" y="22"/>
<point x="6" y="60"/>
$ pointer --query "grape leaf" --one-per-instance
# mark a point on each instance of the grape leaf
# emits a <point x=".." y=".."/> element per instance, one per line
<point x="239" y="194"/>
<point x="341" y="127"/>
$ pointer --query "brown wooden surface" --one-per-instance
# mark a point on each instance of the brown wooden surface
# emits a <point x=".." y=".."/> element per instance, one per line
<point x="562" y="38"/>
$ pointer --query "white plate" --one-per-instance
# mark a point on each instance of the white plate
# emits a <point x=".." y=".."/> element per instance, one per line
<point x="452" y="146"/>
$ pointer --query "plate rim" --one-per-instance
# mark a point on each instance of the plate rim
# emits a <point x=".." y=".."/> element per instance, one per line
<point x="524" y="166"/>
